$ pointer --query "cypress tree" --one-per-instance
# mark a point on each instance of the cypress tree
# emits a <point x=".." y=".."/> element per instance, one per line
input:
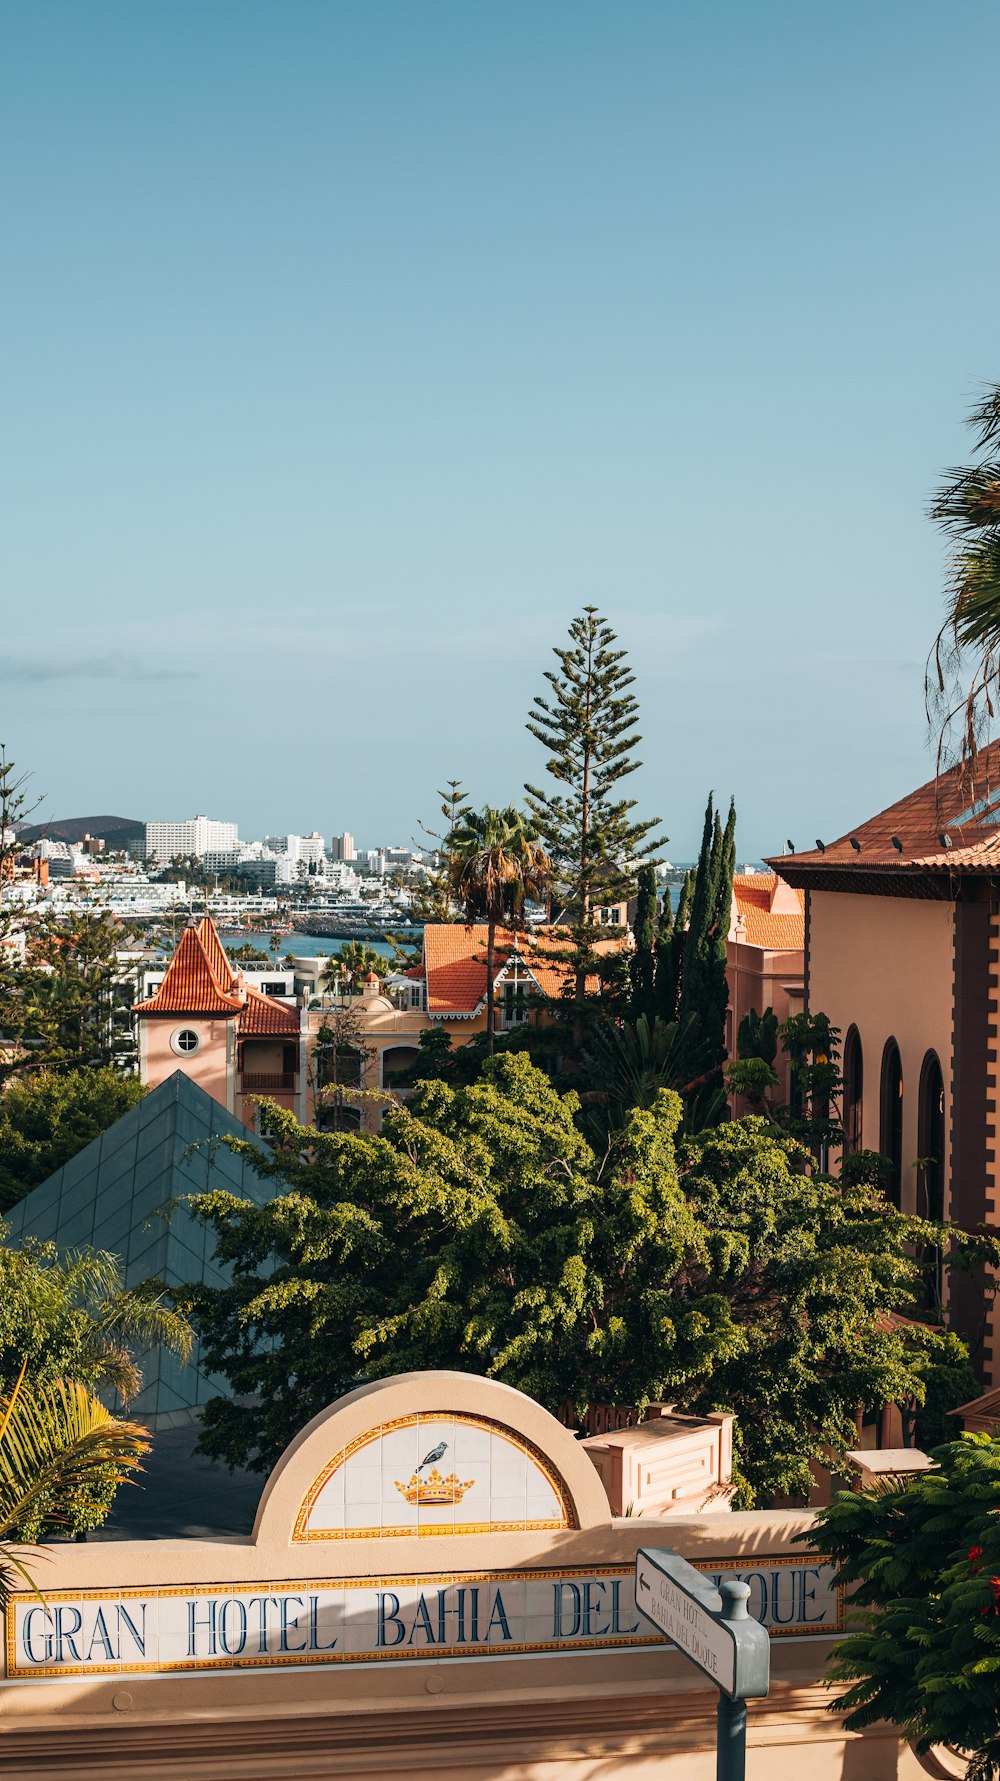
<point x="704" y="991"/>
<point x="591" y="834"/>
<point x="642" y="961"/>
<point x="670" y="950"/>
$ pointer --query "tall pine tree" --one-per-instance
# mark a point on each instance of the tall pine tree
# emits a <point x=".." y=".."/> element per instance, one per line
<point x="588" y="727"/>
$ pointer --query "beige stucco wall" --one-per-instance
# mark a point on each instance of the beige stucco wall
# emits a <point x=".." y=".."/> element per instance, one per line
<point x="619" y="1713"/>
<point x="383" y="1027"/>
<point x="885" y="965"/>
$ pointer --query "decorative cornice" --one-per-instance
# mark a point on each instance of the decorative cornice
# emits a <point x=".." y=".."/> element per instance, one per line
<point x="585" y="1720"/>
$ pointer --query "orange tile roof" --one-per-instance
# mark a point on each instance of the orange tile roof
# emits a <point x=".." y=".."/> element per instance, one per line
<point x="455" y="962"/>
<point x="200" y="980"/>
<point x="215" y="951"/>
<point x="770" y="929"/>
<point x="262" y="1015"/>
<point x="191" y="985"/>
<point x="961" y="803"/>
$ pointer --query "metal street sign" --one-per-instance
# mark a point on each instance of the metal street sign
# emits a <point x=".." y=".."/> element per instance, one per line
<point x="712" y="1628"/>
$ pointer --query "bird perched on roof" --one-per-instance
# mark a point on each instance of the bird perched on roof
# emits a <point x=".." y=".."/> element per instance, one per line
<point x="433" y="1456"/>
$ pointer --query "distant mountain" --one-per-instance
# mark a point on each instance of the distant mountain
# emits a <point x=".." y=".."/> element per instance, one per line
<point x="115" y="831"/>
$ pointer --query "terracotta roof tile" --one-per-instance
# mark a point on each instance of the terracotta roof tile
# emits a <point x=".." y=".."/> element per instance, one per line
<point x="455" y="961"/>
<point x="214" y="951"/>
<point x="200" y="980"/>
<point x="771" y="929"/>
<point x="191" y="986"/>
<point x="962" y="803"/>
<point x="261" y="1015"/>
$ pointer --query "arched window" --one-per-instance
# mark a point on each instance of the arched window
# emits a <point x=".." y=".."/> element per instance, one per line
<point x="891" y="1121"/>
<point x="396" y="1061"/>
<point x="337" y="1118"/>
<point x="931" y="1141"/>
<point x="854" y="1088"/>
<point x="931" y="1138"/>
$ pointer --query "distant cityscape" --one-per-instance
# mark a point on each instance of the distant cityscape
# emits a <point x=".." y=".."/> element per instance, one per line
<point x="149" y="871"/>
<point x="138" y="871"/>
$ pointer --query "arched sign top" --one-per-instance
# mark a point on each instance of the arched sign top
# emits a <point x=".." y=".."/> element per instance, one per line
<point x="432" y="1473"/>
<point x="430" y="1454"/>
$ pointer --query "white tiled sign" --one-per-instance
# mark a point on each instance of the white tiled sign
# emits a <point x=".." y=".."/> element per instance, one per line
<point x="374" y="1620"/>
<point x="434" y="1474"/>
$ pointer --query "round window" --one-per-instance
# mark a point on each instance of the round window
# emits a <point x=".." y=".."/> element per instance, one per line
<point x="185" y="1041"/>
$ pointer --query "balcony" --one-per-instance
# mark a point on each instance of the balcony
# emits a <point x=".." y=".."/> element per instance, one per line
<point x="267" y="1082"/>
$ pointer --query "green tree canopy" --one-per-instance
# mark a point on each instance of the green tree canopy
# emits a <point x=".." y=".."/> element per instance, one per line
<point x="67" y="1324"/>
<point x="59" y="1446"/>
<point x="47" y="1117"/>
<point x="479" y="1231"/>
<point x="431" y="898"/>
<point x="59" y="1004"/>
<point x="642" y="964"/>
<point x="347" y="968"/>
<point x="923" y="1562"/>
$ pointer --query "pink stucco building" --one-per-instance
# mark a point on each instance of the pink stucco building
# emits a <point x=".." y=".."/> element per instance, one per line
<point x="765" y="958"/>
<point x="902" y="936"/>
<point x="204" y="1020"/>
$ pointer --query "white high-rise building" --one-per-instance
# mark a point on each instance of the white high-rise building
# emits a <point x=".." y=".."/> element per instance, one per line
<point x="304" y="849"/>
<point x="198" y="836"/>
<point x="312" y="848"/>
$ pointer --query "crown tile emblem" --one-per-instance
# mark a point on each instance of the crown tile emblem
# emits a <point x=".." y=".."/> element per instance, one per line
<point x="434" y="1489"/>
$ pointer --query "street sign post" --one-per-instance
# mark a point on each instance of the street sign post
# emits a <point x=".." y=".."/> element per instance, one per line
<point x="714" y="1630"/>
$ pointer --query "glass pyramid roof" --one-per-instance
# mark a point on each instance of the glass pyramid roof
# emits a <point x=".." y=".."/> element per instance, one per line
<point x="109" y="1196"/>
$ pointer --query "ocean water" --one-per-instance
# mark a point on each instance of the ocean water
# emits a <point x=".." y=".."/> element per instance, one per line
<point x="304" y="946"/>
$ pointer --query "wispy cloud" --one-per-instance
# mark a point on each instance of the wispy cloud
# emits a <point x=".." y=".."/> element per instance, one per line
<point x="28" y="669"/>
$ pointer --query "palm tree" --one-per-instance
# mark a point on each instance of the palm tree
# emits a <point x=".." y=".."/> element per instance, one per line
<point x="354" y="961"/>
<point x="53" y="1439"/>
<point x="496" y="865"/>
<point x="967" y="508"/>
<point x="82" y="1292"/>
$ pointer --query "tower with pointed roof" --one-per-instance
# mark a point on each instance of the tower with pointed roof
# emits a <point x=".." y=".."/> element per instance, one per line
<point x="233" y="1041"/>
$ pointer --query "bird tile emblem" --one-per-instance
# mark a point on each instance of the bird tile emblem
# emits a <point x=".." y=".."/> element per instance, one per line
<point x="433" y="1489"/>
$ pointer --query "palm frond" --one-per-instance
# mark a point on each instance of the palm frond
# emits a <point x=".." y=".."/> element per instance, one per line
<point x="967" y="508"/>
<point x="130" y="1316"/>
<point x="54" y="1437"/>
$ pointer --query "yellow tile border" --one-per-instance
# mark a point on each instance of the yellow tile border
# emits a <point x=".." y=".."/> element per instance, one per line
<point x="301" y="1532"/>
<point x="449" y="1579"/>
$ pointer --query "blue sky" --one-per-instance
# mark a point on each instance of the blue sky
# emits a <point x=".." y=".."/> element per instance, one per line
<point x="350" y="348"/>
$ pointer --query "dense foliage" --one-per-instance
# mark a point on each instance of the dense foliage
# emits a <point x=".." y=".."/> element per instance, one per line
<point x="479" y="1231"/>
<point x="62" y="1457"/>
<point x="69" y="1319"/>
<point x="703" y="994"/>
<point x="48" y="1116"/>
<point x="923" y="1562"/>
<point x="64" y="1004"/>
